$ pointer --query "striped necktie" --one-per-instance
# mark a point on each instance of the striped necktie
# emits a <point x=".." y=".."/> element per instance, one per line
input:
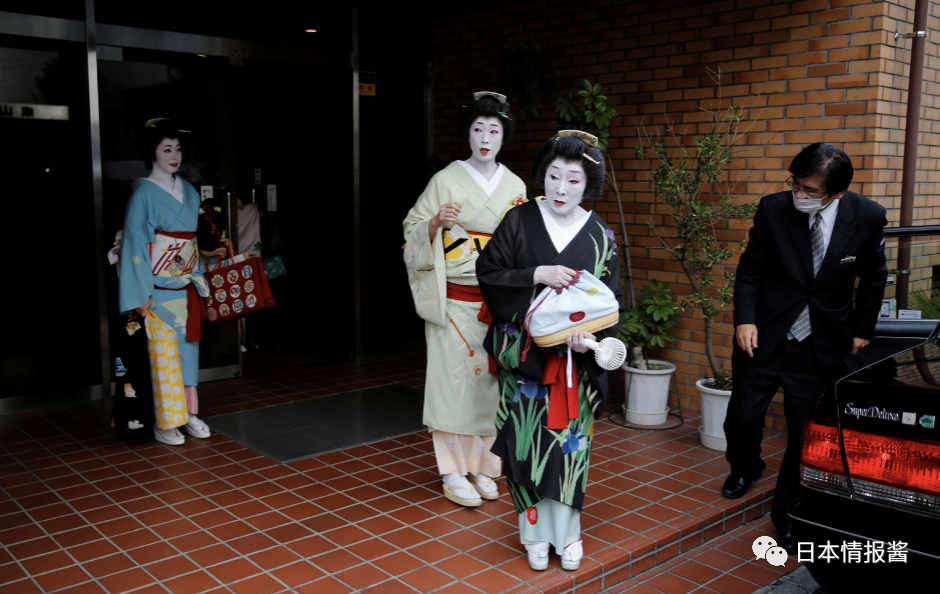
<point x="801" y="328"/>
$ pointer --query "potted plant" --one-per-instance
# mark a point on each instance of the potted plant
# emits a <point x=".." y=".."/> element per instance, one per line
<point x="688" y="177"/>
<point x="647" y="381"/>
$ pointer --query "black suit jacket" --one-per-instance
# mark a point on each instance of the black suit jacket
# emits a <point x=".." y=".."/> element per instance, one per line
<point x="775" y="277"/>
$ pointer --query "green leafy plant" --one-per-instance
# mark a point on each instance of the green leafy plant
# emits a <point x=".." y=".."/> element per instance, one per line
<point x="721" y="381"/>
<point x="588" y="110"/>
<point x="687" y="175"/>
<point x="646" y="326"/>
<point x="526" y="76"/>
<point x="929" y="306"/>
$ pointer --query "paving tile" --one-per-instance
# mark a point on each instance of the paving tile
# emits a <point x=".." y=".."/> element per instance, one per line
<point x="369" y="518"/>
<point x="233" y="571"/>
<point x="461" y="566"/>
<point x="61" y="578"/>
<point x="398" y="564"/>
<point x="192" y="583"/>
<point x="48" y="562"/>
<point x="327" y="585"/>
<point x="297" y="574"/>
<point x="362" y="576"/>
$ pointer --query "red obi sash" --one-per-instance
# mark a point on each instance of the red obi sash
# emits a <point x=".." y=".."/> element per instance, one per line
<point x="562" y="400"/>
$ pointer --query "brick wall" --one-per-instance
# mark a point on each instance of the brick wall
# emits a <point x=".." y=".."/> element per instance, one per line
<point x="811" y="70"/>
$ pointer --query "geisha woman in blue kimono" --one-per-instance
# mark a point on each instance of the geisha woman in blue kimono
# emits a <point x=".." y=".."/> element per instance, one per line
<point x="161" y="280"/>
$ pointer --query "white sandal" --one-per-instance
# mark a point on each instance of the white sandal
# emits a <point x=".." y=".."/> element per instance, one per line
<point x="451" y="493"/>
<point x="571" y="556"/>
<point x="197" y="428"/>
<point x="538" y="555"/>
<point x="168" y="436"/>
<point x="484" y="485"/>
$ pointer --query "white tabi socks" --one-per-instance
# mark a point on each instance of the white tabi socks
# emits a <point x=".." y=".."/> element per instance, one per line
<point x="484" y="485"/>
<point x="459" y="490"/>
<point x="197" y="428"/>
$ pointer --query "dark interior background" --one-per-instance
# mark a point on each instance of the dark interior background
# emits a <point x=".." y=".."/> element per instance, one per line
<point x="293" y="121"/>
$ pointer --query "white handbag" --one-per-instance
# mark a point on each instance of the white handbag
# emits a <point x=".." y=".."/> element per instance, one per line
<point x="586" y="304"/>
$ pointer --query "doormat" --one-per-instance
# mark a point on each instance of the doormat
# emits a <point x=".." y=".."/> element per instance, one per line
<point x="296" y="430"/>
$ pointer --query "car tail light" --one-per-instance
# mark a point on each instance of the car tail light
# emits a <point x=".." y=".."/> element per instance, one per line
<point x="894" y="470"/>
<point x="900" y="472"/>
<point x="821" y="461"/>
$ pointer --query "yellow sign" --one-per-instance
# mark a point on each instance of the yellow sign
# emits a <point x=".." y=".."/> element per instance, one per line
<point x="367" y="89"/>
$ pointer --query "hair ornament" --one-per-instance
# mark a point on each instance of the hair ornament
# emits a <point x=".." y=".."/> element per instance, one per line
<point x="498" y="96"/>
<point x="153" y="124"/>
<point x="589" y="139"/>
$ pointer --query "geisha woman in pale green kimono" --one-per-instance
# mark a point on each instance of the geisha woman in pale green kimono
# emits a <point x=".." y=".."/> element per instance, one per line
<point x="445" y="232"/>
<point x="161" y="280"/>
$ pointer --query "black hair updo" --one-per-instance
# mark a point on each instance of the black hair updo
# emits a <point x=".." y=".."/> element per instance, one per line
<point x="150" y="137"/>
<point x="487" y="106"/>
<point x="572" y="149"/>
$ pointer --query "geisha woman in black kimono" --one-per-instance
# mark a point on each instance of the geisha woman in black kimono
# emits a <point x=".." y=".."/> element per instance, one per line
<point x="544" y="439"/>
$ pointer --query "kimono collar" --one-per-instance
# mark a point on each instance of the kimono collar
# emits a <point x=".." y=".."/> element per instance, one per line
<point x="490" y="186"/>
<point x="176" y="191"/>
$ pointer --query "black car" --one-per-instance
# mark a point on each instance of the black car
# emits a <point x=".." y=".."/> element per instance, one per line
<point x="869" y="517"/>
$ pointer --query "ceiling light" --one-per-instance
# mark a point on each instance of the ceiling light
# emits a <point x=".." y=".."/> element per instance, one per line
<point x="201" y="55"/>
<point x="311" y="30"/>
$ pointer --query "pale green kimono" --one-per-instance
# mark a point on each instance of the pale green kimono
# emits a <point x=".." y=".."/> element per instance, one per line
<point x="460" y="395"/>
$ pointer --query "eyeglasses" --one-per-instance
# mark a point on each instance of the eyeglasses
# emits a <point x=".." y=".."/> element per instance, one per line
<point x="798" y="188"/>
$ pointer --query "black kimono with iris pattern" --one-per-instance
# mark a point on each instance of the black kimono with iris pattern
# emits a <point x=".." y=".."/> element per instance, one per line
<point x="540" y="462"/>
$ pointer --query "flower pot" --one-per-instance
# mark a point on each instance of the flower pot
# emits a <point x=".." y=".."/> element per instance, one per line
<point x="647" y="394"/>
<point x="714" y="409"/>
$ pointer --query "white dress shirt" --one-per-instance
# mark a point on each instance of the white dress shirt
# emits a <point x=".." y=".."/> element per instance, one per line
<point x="828" y="223"/>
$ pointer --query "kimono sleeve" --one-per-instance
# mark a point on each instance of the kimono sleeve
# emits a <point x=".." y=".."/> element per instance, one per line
<point x="506" y="281"/>
<point x="424" y="256"/>
<point x="136" y="281"/>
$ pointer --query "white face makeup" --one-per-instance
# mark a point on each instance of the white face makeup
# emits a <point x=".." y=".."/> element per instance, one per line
<point x="564" y="187"/>
<point x="169" y="156"/>
<point x="486" y="138"/>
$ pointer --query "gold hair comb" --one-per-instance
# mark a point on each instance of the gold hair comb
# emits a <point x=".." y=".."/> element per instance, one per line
<point x="589" y="139"/>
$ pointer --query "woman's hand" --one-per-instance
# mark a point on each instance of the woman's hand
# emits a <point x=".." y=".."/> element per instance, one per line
<point x="447" y="214"/>
<point x="557" y="277"/>
<point x="143" y="309"/>
<point x="222" y="250"/>
<point x="576" y="340"/>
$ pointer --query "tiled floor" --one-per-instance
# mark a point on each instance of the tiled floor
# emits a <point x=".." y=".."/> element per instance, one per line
<point x="83" y="512"/>
<point x="724" y="565"/>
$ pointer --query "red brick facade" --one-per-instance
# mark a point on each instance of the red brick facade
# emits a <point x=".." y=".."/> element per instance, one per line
<point x="812" y="70"/>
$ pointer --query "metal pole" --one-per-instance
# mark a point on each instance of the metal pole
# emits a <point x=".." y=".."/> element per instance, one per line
<point x="357" y="262"/>
<point x="909" y="175"/>
<point x="233" y="237"/>
<point x="98" y="195"/>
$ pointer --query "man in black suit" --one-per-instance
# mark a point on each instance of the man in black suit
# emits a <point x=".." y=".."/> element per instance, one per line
<point x="793" y="298"/>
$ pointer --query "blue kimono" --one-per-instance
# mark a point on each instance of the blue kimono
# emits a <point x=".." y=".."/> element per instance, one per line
<point x="159" y="259"/>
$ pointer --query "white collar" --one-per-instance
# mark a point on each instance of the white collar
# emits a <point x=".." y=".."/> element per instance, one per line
<point x="561" y="236"/>
<point x="176" y="191"/>
<point x="488" y="186"/>
<point x="829" y="213"/>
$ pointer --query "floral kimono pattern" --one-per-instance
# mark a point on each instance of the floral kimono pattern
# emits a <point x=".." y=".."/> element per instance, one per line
<point x="540" y="462"/>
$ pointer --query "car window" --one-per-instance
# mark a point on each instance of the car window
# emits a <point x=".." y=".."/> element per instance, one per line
<point x="917" y="366"/>
<point x="913" y="288"/>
